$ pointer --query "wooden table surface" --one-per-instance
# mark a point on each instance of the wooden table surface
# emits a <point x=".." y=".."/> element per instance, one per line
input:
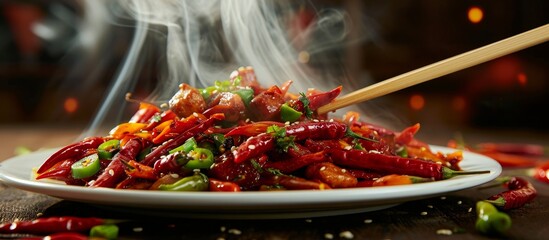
<point x="422" y="219"/>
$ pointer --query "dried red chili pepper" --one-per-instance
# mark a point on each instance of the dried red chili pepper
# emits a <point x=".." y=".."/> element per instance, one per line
<point x="291" y="165"/>
<point x="138" y="170"/>
<point x="74" y="151"/>
<point x="253" y="147"/>
<point x="52" y="225"/>
<point x="321" y="99"/>
<point x="252" y="129"/>
<point x="180" y="139"/>
<point x="520" y="192"/>
<point x="60" y="236"/>
<point x="317" y="130"/>
<point x="115" y="171"/>
<point x="393" y="164"/>
<point x="145" y="112"/>
<point x="293" y="183"/>
<point x="541" y="172"/>
<point x="177" y="127"/>
<point x="223" y="186"/>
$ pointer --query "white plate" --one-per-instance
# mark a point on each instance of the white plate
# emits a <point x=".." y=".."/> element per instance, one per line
<point x="17" y="172"/>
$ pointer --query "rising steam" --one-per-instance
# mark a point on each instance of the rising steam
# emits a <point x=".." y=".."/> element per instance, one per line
<point x="206" y="40"/>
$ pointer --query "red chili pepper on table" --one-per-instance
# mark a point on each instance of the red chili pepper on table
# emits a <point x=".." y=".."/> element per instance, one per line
<point x="52" y="225"/>
<point x="520" y="193"/>
<point x="61" y="236"/>
<point x="541" y="172"/>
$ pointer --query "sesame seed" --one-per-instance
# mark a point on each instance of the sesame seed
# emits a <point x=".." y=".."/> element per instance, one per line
<point x="251" y="146"/>
<point x="195" y="114"/>
<point x="423" y="213"/>
<point x="308" y="220"/>
<point x="343" y="170"/>
<point x="174" y="175"/>
<point x="470" y="209"/>
<point x="234" y="231"/>
<point x="323" y="168"/>
<point x="459" y="202"/>
<point x="222" y="228"/>
<point x="430" y="206"/>
<point x="137" y="229"/>
<point x="331" y="120"/>
<point x="368" y="221"/>
<point x="443" y="198"/>
<point x="111" y="172"/>
<point x="287" y="123"/>
<point x="346" y="234"/>
<point x="328" y="236"/>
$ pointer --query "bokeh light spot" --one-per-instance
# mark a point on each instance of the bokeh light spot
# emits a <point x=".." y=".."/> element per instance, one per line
<point x="522" y="79"/>
<point x="458" y="103"/>
<point x="475" y="14"/>
<point x="417" y="102"/>
<point x="70" y="105"/>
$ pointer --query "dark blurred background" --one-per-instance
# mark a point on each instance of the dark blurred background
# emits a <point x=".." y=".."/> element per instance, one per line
<point x="45" y="64"/>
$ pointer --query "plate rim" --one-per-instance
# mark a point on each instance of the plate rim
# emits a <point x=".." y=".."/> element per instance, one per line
<point x="249" y="202"/>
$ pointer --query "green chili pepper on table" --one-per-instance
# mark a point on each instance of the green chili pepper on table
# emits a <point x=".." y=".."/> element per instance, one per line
<point x="490" y="220"/>
<point x="106" y="231"/>
<point x="196" y="182"/>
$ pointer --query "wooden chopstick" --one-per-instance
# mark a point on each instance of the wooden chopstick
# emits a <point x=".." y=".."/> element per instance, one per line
<point x="441" y="68"/>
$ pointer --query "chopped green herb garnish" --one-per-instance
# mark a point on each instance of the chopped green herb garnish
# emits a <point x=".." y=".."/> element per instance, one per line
<point x="307" y="110"/>
<point x="282" y="141"/>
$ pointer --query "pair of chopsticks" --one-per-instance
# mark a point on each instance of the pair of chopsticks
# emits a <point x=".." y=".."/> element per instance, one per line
<point x="441" y="68"/>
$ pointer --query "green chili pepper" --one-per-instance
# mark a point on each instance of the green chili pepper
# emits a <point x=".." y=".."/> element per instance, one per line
<point x="218" y="139"/>
<point x="86" y="167"/>
<point x="246" y="94"/>
<point x="402" y="151"/>
<point x="288" y="114"/>
<point x="490" y="220"/>
<point x="143" y="153"/>
<point x="186" y="147"/>
<point x="196" y="182"/>
<point x="108" y="231"/>
<point x="106" y="149"/>
<point x="202" y="158"/>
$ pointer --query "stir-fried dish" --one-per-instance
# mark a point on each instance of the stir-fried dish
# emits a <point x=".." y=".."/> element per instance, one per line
<point x="239" y="136"/>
